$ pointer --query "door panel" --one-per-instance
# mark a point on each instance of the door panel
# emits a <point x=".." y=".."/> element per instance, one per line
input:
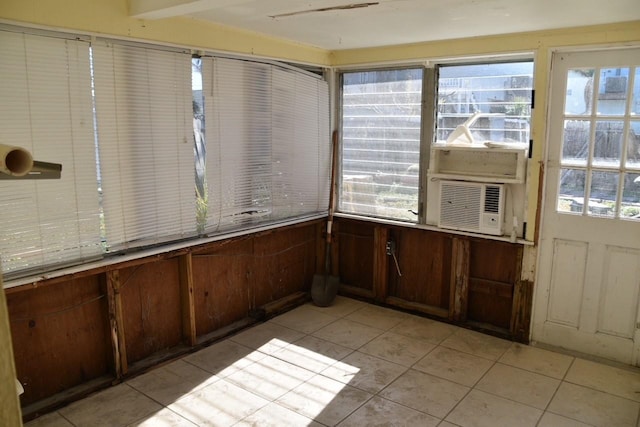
<point x="567" y="281"/>
<point x="619" y="298"/>
<point x="588" y="275"/>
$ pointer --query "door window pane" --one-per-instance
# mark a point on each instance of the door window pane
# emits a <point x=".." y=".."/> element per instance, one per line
<point x="381" y="119"/>
<point x="571" y="194"/>
<point x="633" y="145"/>
<point x="635" y="103"/>
<point x="604" y="188"/>
<point x="579" y="96"/>
<point x="608" y="143"/>
<point x="630" y="206"/>
<point x="612" y="93"/>
<point x="575" y="144"/>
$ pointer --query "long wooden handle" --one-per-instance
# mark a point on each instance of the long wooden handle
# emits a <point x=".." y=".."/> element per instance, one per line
<point x="332" y="188"/>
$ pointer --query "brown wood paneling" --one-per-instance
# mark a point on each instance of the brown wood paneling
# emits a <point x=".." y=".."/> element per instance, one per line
<point x="425" y="262"/>
<point x="355" y="242"/>
<point x="459" y="292"/>
<point x="494" y="260"/>
<point x="60" y="336"/>
<point x="283" y="264"/>
<point x="494" y="270"/>
<point x="380" y="263"/>
<point x="221" y="277"/>
<point x="151" y="307"/>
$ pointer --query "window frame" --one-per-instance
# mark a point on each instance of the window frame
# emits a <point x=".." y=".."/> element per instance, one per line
<point x="429" y="117"/>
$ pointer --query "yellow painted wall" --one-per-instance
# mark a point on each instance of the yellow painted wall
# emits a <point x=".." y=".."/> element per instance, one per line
<point x="10" y="415"/>
<point x="111" y="17"/>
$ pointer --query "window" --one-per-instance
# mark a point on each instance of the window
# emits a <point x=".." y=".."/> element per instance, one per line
<point x="46" y="107"/>
<point x="144" y="116"/>
<point x="387" y="133"/>
<point x="155" y="147"/>
<point x="267" y="140"/>
<point x="500" y="92"/>
<point x="381" y="124"/>
<point x="600" y="173"/>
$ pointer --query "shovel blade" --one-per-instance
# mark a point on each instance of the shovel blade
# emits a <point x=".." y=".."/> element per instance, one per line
<point x="324" y="289"/>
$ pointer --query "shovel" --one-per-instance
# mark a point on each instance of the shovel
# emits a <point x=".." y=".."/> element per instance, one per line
<point x="325" y="287"/>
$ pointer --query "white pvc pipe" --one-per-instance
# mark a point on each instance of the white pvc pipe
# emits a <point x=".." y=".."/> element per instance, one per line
<point x="15" y="161"/>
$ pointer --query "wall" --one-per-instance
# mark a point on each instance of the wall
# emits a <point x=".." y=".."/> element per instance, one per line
<point x="78" y="333"/>
<point x="9" y="403"/>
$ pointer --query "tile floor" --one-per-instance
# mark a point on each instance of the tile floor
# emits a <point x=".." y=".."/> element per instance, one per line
<point x="354" y="364"/>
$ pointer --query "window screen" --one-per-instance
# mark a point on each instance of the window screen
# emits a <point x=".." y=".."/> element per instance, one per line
<point x="46" y="107"/>
<point x="381" y="121"/>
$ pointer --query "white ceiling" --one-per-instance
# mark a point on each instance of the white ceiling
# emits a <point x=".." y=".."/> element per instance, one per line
<point x="390" y="22"/>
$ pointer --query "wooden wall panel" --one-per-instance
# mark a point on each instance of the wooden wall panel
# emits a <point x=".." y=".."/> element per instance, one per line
<point x="425" y="262"/>
<point x="151" y="307"/>
<point x="221" y="277"/>
<point x="60" y="336"/>
<point x="284" y="263"/>
<point x="494" y="271"/>
<point x="354" y="242"/>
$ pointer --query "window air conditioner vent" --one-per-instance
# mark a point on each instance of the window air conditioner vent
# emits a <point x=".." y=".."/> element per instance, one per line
<point x="471" y="206"/>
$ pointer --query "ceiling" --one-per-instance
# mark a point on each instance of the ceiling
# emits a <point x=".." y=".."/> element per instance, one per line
<point x="348" y="24"/>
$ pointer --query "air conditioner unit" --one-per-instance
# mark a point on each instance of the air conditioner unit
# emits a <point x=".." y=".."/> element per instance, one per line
<point x="471" y="206"/>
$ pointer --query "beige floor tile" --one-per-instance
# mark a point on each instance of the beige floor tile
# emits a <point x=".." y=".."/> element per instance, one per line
<point x="397" y="348"/>
<point x="620" y="382"/>
<point x="116" y="406"/>
<point x="382" y="412"/>
<point x="324" y="400"/>
<point x="537" y="360"/>
<point x="447" y="424"/>
<point x="454" y="365"/>
<point x="517" y="384"/>
<point x="312" y="353"/>
<point x="304" y="319"/>
<point x="219" y="404"/>
<point x="593" y="407"/>
<point x="364" y="372"/>
<point x="348" y="333"/>
<point x="170" y="382"/>
<point x="480" y="409"/>
<point x="553" y="420"/>
<point x="341" y="306"/>
<point x="267" y="337"/>
<point x="424" y="329"/>
<point x="164" y="418"/>
<point x="425" y="393"/>
<point x="53" y="419"/>
<point x="274" y="415"/>
<point x="224" y="358"/>
<point x="478" y="344"/>
<point x="270" y="377"/>
<point x="378" y="317"/>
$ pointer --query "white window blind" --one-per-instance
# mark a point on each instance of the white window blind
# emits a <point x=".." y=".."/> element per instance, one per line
<point x="46" y="107"/>
<point x="268" y="145"/>
<point x="144" y="121"/>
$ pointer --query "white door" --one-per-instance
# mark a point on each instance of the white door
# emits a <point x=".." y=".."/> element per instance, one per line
<point x="588" y="280"/>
